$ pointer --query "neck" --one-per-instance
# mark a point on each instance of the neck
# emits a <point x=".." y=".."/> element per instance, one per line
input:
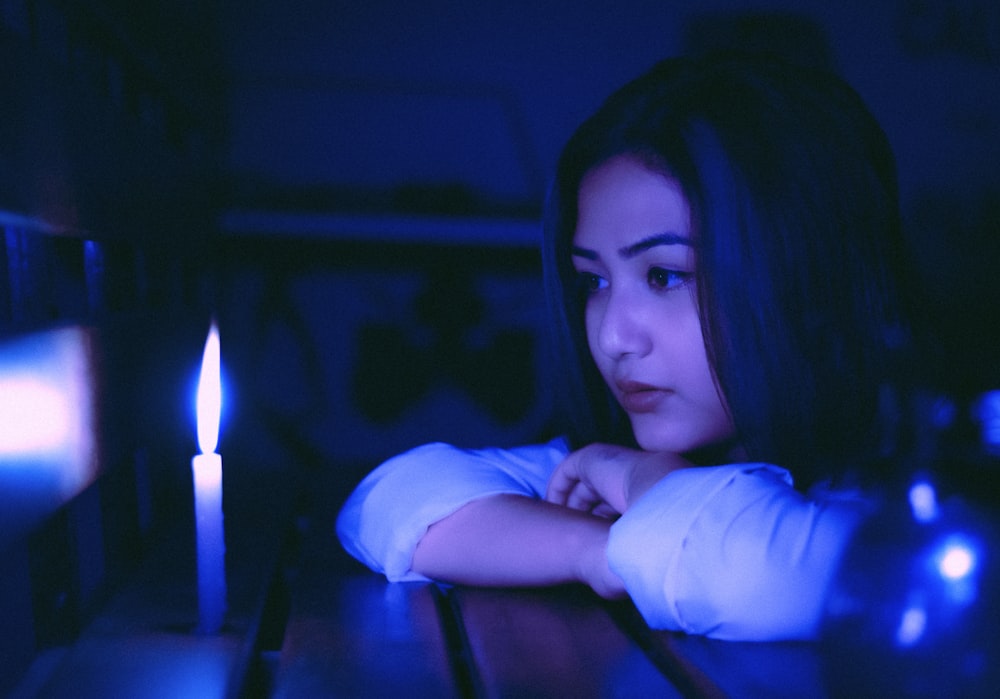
<point x="727" y="452"/>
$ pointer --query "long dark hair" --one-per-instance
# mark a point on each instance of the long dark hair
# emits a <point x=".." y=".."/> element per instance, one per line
<point x="792" y="189"/>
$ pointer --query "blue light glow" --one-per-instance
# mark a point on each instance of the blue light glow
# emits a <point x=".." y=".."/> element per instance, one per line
<point x="912" y="625"/>
<point x="987" y="412"/>
<point x="35" y="417"/>
<point x="47" y="406"/>
<point x="956" y="560"/>
<point x="923" y="502"/>
<point x="956" y="563"/>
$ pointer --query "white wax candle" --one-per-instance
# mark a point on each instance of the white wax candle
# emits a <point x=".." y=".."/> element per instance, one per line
<point x="207" y="472"/>
<point x="211" y="541"/>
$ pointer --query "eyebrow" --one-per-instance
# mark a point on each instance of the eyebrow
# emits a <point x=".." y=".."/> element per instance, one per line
<point x="630" y="251"/>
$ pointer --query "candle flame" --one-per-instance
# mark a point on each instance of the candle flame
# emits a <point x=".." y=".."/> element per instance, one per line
<point x="209" y="399"/>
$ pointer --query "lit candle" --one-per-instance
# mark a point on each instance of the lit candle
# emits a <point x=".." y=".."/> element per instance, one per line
<point x="207" y="470"/>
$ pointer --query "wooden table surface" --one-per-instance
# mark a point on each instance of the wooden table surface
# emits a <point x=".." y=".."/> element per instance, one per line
<point x="307" y="621"/>
<point x="349" y="633"/>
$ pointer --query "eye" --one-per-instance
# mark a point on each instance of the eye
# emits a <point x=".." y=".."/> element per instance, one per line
<point x="661" y="278"/>
<point x="588" y="283"/>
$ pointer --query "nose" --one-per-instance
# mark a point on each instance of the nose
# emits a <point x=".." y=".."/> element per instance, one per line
<point x="621" y="327"/>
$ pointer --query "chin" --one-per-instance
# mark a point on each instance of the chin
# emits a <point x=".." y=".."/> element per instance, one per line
<point x="706" y="452"/>
<point x="665" y="444"/>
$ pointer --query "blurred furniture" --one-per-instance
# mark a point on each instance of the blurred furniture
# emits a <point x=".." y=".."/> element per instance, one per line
<point x="107" y="142"/>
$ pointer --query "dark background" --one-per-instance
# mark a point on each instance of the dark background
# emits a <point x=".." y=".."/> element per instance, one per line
<point x="460" y="109"/>
<point x="353" y="190"/>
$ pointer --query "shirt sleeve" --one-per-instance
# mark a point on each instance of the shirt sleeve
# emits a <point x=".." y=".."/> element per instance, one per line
<point x="732" y="552"/>
<point x="391" y="509"/>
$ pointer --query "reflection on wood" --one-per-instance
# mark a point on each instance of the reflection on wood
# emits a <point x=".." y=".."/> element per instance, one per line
<point x="553" y="642"/>
<point x="361" y="637"/>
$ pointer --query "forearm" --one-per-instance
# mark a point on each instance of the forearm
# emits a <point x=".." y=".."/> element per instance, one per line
<point x="510" y="540"/>
<point x="386" y="515"/>
<point x="733" y="552"/>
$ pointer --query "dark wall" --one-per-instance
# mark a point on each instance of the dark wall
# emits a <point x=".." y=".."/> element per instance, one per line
<point x="483" y="94"/>
<point x="458" y="109"/>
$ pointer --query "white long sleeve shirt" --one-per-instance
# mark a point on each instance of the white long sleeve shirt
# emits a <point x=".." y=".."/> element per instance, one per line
<point x="731" y="552"/>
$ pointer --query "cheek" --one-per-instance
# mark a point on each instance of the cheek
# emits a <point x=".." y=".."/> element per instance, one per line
<point x="592" y="324"/>
<point x="678" y="338"/>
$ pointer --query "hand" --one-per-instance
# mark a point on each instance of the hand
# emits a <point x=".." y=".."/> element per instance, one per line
<point x="605" y="479"/>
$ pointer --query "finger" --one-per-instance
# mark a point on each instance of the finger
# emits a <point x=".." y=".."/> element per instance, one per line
<point x="558" y="490"/>
<point x="560" y="485"/>
<point x="606" y="511"/>
<point x="583" y="498"/>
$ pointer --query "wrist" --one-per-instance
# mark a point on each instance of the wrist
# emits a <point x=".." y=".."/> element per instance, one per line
<point x="592" y="561"/>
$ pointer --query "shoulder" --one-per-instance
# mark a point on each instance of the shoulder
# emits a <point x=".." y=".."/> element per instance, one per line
<point x="527" y="466"/>
<point x="443" y="454"/>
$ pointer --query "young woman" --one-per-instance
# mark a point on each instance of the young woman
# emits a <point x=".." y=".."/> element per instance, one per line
<point x="719" y="249"/>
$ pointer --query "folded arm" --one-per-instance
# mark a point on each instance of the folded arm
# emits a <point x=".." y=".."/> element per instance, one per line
<point x="733" y="552"/>
<point x="395" y="506"/>
<point x="511" y="540"/>
<point x="728" y="551"/>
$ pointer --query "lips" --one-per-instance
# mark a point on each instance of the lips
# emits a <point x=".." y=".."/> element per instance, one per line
<point x="638" y="397"/>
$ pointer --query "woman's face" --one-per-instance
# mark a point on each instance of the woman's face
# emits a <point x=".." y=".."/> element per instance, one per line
<point x="634" y="255"/>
